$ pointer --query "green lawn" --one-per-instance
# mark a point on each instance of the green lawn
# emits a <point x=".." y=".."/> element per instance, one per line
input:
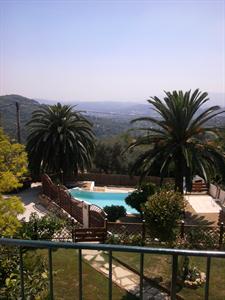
<point x="95" y="285"/>
<point x="160" y="266"/>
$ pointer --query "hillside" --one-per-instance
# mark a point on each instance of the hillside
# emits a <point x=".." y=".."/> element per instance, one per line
<point x="8" y="113"/>
<point x="105" y="124"/>
<point x="108" y="120"/>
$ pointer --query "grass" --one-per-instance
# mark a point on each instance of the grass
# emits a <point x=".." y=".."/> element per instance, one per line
<point x="65" y="281"/>
<point x="156" y="266"/>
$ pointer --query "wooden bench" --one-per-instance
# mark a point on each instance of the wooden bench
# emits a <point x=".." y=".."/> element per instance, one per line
<point x="94" y="234"/>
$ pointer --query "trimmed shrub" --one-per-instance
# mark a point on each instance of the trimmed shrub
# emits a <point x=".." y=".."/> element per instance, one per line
<point x="162" y="212"/>
<point x="140" y="196"/>
<point x="115" y="212"/>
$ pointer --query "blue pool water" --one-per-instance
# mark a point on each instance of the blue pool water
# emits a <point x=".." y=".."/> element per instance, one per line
<point x="102" y="198"/>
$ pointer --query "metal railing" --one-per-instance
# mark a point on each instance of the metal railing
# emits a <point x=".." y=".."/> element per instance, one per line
<point x="174" y="253"/>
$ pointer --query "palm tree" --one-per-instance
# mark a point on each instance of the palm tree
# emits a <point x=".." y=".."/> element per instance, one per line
<point x="179" y="139"/>
<point x="60" y="140"/>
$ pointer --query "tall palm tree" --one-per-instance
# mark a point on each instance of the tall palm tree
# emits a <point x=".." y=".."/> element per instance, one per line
<point x="60" y="140"/>
<point x="179" y="139"/>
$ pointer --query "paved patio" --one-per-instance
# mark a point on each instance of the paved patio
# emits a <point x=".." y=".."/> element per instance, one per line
<point x="203" y="210"/>
<point x="29" y="198"/>
<point x="203" y="203"/>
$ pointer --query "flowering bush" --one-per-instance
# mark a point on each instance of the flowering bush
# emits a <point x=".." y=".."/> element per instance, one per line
<point x="194" y="278"/>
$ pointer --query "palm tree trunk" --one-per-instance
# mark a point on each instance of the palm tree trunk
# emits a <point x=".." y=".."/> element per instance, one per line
<point x="179" y="173"/>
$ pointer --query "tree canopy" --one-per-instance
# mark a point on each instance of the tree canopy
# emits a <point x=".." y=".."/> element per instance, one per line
<point x="13" y="164"/>
<point x="179" y="138"/>
<point x="13" y="167"/>
<point x="60" y="139"/>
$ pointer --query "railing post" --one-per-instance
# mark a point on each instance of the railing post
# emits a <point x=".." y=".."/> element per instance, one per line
<point x="51" y="294"/>
<point x="21" y="275"/>
<point x="106" y="224"/>
<point x="182" y="229"/>
<point x="73" y="230"/>
<point x="80" y="271"/>
<point x="143" y="233"/>
<point x="58" y="196"/>
<point x="106" y="229"/>
<point x="61" y="176"/>
<point x="89" y="216"/>
<point x="110" y="275"/>
<point x="174" y="277"/>
<point x="221" y="235"/>
<point x="35" y="237"/>
<point x="70" y="206"/>
<point x="141" y="274"/>
<point x="207" y="278"/>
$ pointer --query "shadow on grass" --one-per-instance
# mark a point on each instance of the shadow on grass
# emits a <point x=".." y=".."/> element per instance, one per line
<point x="129" y="297"/>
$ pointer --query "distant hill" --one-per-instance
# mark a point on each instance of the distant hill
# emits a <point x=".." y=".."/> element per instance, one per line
<point x="108" y="118"/>
<point x="115" y="108"/>
<point x="108" y="108"/>
<point x="8" y="113"/>
<point x="108" y="122"/>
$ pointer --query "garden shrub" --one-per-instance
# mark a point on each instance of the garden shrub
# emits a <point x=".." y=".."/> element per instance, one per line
<point x="35" y="274"/>
<point x="200" y="238"/>
<point x="125" y="239"/>
<point x="115" y="212"/>
<point x="9" y="209"/>
<point x="140" y="196"/>
<point x="162" y="213"/>
<point x="42" y="228"/>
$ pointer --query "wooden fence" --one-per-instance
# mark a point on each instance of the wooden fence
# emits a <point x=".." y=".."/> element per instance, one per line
<point x="95" y="216"/>
<point x="117" y="179"/>
<point x="196" y="236"/>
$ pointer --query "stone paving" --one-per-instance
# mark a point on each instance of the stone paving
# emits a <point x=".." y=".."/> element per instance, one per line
<point x="122" y="276"/>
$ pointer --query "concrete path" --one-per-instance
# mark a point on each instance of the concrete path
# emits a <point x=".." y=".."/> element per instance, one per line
<point x="29" y="198"/>
<point x="122" y="276"/>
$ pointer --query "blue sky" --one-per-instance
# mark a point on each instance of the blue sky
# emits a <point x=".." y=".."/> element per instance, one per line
<point x="111" y="50"/>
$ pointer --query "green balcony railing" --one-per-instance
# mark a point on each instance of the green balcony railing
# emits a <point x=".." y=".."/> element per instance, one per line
<point x="174" y="253"/>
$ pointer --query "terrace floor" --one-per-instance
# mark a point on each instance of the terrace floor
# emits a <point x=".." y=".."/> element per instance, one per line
<point x="202" y="209"/>
<point x="30" y="199"/>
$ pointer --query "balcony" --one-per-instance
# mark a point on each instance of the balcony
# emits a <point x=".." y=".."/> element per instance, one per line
<point x="110" y="249"/>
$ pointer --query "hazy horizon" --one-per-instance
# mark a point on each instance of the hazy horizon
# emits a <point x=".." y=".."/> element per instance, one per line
<point x="76" y="51"/>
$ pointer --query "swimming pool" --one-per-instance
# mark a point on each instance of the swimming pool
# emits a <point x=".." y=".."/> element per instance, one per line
<point x="103" y="198"/>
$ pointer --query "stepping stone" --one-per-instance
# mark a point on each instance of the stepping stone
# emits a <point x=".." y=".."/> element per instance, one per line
<point x="88" y="257"/>
<point x="120" y="272"/>
<point x="104" y="270"/>
<point x="99" y="258"/>
<point x="91" y="252"/>
<point x="95" y="265"/>
<point x="133" y="289"/>
<point x="107" y="266"/>
<point x="127" y="281"/>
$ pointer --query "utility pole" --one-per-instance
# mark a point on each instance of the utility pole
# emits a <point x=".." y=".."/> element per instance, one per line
<point x="18" y="122"/>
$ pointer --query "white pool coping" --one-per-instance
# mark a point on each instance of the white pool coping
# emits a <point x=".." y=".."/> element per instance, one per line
<point x="203" y="203"/>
